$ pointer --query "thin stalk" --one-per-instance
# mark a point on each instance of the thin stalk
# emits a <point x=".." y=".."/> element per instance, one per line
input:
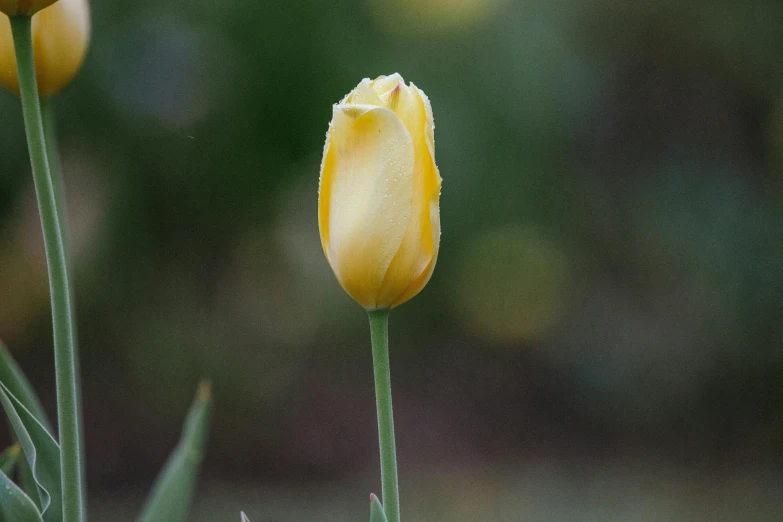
<point x="58" y="183"/>
<point x="379" y="333"/>
<point x="59" y="282"/>
<point x="55" y="169"/>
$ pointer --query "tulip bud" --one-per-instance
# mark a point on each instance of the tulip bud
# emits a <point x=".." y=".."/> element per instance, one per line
<point x="60" y="36"/>
<point x="378" y="202"/>
<point x="23" y="7"/>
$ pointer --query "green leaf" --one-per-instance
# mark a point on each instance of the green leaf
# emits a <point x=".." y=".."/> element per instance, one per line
<point x="26" y="479"/>
<point x="172" y="493"/>
<point x="41" y="452"/>
<point x="9" y="458"/>
<point x="244" y="517"/>
<point x="14" y="379"/>
<point x="376" y="510"/>
<point x="15" y="505"/>
<point x="16" y="382"/>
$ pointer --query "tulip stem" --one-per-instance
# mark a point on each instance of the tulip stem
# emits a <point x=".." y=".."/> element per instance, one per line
<point x="58" y="183"/>
<point x="65" y="356"/>
<point x="55" y="169"/>
<point x="379" y="333"/>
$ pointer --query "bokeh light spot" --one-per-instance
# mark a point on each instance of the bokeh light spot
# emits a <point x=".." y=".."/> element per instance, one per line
<point x="160" y="69"/>
<point x="433" y="16"/>
<point x="512" y="283"/>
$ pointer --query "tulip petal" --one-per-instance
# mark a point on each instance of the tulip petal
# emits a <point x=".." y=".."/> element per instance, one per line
<point x="424" y="278"/>
<point x="384" y="84"/>
<point x="7" y="56"/>
<point x="429" y="127"/>
<point x="366" y="191"/>
<point x="363" y="94"/>
<point x="23" y="7"/>
<point x="60" y="36"/>
<point x="61" y="33"/>
<point x="418" y="250"/>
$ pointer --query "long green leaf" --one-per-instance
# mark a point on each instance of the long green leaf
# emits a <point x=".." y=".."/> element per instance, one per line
<point x="376" y="510"/>
<point x="16" y="382"/>
<point x="41" y="452"/>
<point x="172" y="493"/>
<point x="9" y="458"/>
<point x="15" y="505"/>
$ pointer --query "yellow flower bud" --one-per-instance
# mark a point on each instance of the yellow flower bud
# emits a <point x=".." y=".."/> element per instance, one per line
<point x="23" y="7"/>
<point x="61" y="33"/>
<point x="378" y="201"/>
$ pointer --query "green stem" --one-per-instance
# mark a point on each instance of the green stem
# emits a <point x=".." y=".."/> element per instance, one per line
<point x="59" y="282"/>
<point x="379" y="332"/>
<point x="55" y="169"/>
<point x="58" y="183"/>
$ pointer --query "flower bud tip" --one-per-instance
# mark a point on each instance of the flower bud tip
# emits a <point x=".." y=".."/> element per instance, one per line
<point x="394" y="97"/>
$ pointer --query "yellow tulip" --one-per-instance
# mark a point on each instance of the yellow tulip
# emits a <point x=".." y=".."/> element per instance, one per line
<point x="378" y="201"/>
<point x="23" y="7"/>
<point x="61" y="33"/>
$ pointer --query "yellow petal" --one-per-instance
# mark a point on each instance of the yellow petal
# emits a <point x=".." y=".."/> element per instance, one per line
<point x="363" y="94"/>
<point x="384" y="84"/>
<point x="424" y="278"/>
<point x="23" y="7"/>
<point x="421" y="241"/>
<point x="429" y="128"/>
<point x="7" y="57"/>
<point x="365" y="196"/>
<point x="61" y="33"/>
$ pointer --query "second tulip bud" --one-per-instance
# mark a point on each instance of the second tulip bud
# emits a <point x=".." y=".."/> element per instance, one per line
<point x="61" y="33"/>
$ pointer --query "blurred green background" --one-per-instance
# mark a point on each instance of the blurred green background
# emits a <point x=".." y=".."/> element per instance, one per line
<point x="601" y="339"/>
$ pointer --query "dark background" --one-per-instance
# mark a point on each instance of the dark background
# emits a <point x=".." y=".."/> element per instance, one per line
<point x="601" y="338"/>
